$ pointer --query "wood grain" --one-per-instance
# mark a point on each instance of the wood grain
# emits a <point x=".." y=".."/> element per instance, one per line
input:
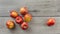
<point x="36" y="26"/>
<point x="36" y="8"/>
<point x="41" y="10"/>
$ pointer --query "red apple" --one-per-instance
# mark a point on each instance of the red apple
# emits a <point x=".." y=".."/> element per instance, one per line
<point x="24" y="10"/>
<point x="19" y="20"/>
<point x="51" y="21"/>
<point x="13" y="14"/>
<point x="10" y="24"/>
<point x="27" y="18"/>
<point x="24" y="25"/>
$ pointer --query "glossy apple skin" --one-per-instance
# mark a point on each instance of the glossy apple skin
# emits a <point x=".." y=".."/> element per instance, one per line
<point x="23" y="10"/>
<point x="27" y="18"/>
<point x="10" y="24"/>
<point x="51" y="22"/>
<point x="13" y="13"/>
<point x="19" y="20"/>
<point x="24" y="25"/>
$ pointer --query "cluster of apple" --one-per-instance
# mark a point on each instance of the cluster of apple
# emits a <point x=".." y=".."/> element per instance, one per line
<point x="23" y="21"/>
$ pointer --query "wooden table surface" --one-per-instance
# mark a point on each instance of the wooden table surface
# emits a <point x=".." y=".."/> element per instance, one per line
<point x="41" y="10"/>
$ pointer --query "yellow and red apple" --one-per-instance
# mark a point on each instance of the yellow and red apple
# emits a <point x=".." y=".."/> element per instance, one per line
<point x="24" y="10"/>
<point x="27" y="18"/>
<point x="10" y="24"/>
<point x="13" y="13"/>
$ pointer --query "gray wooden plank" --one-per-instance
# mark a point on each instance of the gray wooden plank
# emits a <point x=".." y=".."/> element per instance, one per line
<point x="36" y="26"/>
<point x="36" y="7"/>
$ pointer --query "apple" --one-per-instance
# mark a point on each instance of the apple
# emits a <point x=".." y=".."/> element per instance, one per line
<point x="24" y="25"/>
<point x="10" y="24"/>
<point x="27" y="18"/>
<point x="19" y="20"/>
<point x="51" y="21"/>
<point x="24" y="10"/>
<point x="13" y="13"/>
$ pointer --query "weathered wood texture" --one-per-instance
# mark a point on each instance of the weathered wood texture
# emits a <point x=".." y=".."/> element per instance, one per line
<point x="41" y="10"/>
<point x="36" y="7"/>
<point x="36" y="26"/>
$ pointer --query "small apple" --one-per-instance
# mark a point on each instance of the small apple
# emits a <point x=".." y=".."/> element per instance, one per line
<point x="19" y="20"/>
<point x="51" y="21"/>
<point x="13" y="14"/>
<point x="10" y="24"/>
<point x="27" y="18"/>
<point x="24" y="25"/>
<point x="24" y="10"/>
